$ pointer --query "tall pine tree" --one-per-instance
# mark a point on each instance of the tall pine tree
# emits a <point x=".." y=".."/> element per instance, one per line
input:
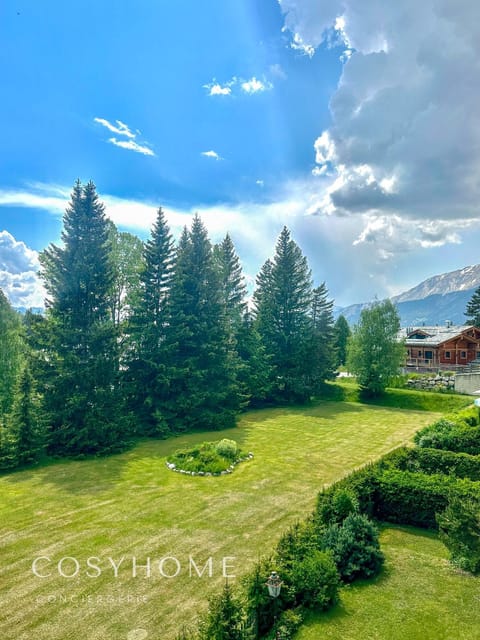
<point x="80" y="352"/>
<point x="11" y="353"/>
<point x="342" y="333"/>
<point x="321" y="357"/>
<point x="473" y="308"/>
<point x="146" y="354"/>
<point x="283" y="301"/>
<point x="203" y="390"/>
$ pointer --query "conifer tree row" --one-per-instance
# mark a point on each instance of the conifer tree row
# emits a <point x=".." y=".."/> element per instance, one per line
<point x="149" y="339"/>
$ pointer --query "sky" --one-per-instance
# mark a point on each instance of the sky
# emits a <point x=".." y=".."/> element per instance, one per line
<point x="353" y="122"/>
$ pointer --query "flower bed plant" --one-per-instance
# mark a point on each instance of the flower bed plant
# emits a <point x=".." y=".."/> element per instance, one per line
<point x="208" y="458"/>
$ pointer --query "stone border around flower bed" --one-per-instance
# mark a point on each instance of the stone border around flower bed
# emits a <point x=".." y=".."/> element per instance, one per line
<point x="173" y="467"/>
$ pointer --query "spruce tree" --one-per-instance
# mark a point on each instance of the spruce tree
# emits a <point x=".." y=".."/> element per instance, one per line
<point x="203" y="391"/>
<point x="146" y="354"/>
<point x="80" y="350"/>
<point x="254" y="372"/>
<point x="473" y="308"/>
<point x="321" y="357"/>
<point x="11" y="353"/>
<point x="342" y="333"/>
<point x="25" y="423"/>
<point x="232" y="280"/>
<point x="283" y="303"/>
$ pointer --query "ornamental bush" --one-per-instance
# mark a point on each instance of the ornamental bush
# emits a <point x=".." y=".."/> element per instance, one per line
<point x="415" y="498"/>
<point x="459" y="530"/>
<point x="315" y="581"/>
<point x="460" y="465"/>
<point x="337" y="506"/>
<point x="355" y="547"/>
<point x="227" y="448"/>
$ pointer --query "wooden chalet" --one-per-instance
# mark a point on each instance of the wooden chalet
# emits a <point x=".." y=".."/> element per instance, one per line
<point x="442" y="347"/>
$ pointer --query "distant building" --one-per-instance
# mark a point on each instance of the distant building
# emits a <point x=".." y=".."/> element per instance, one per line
<point x="442" y="347"/>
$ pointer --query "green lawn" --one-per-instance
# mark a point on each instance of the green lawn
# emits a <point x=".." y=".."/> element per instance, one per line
<point x="418" y="596"/>
<point x="131" y="505"/>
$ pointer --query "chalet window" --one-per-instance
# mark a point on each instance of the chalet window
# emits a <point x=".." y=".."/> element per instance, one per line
<point x="429" y="355"/>
<point x="463" y="355"/>
<point x="447" y="355"/>
<point x="478" y="354"/>
<point x="419" y="353"/>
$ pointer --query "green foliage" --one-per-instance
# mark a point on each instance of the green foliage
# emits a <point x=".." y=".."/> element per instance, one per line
<point x="227" y="448"/>
<point x="459" y="530"/>
<point x="414" y="498"/>
<point x="342" y="333"/>
<point x="322" y="351"/>
<point x="211" y="457"/>
<point x="77" y="358"/>
<point x="374" y="351"/>
<point x="283" y="308"/>
<point x="337" y="505"/>
<point x="315" y="581"/>
<point x="144" y="378"/>
<point x="26" y="423"/>
<point x="451" y="435"/>
<point x="201" y="374"/>
<point x="254" y="373"/>
<point x="11" y="353"/>
<point x="355" y="547"/>
<point x="289" y="623"/>
<point x="431" y="461"/>
<point x="473" y="308"/>
<point x="224" y="619"/>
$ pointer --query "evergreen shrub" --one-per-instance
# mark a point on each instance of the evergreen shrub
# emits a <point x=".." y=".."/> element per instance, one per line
<point x="355" y="547"/>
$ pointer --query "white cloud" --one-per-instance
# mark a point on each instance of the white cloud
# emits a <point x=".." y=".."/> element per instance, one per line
<point x="123" y="130"/>
<point x="18" y="273"/>
<point x="216" y="89"/>
<point x="394" y="110"/>
<point x="255" y="86"/>
<point x="260" y="183"/>
<point x="211" y="154"/>
<point x="120" y="128"/>
<point x="132" y="145"/>
<point x="250" y="87"/>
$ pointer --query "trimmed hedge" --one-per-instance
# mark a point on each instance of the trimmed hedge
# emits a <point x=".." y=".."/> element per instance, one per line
<point x="431" y="461"/>
<point x="450" y="435"/>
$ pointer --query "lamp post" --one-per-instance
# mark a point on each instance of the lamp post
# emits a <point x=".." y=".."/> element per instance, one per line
<point x="274" y="585"/>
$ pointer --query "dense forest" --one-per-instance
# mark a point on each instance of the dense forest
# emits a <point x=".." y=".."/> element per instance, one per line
<point x="151" y="339"/>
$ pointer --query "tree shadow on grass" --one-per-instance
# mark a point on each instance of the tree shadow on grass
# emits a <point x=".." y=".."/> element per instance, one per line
<point x="94" y="475"/>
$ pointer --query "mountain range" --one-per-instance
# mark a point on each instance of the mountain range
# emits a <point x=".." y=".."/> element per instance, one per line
<point x="433" y="301"/>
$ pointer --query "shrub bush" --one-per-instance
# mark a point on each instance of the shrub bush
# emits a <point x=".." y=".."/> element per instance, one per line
<point x="289" y="623"/>
<point x="459" y="530"/>
<point x="337" y="505"/>
<point x="411" y="498"/>
<point x="355" y="547"/>
<point x="460" y="465"/>
<point x="227" y="448"/>
<point x="206" y="457"/>
<point x="362" y="484"/>
<point x="451" y="436"/>
<point x="224" y="618"/>
<point x="315" y="581"/>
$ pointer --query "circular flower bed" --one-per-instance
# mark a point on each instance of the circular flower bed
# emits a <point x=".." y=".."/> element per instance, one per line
<point x="208" y="458"/>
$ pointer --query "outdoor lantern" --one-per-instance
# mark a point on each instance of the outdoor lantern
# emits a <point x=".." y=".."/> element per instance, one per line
<point x="274" y="584"/>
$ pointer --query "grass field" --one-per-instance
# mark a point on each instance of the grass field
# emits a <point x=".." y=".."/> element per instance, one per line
<point x="130" y="505"/>
<point x="418" y="596"/>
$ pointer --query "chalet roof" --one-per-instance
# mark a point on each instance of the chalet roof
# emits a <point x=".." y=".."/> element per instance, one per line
<point x="433" y="335"/>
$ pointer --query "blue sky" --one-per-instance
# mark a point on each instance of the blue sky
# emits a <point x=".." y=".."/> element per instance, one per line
<point x="334" y="117"/>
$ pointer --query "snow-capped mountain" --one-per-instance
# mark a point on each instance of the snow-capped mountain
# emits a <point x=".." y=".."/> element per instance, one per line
<point x="454" y="281"/>
<point x="433" y="301"/>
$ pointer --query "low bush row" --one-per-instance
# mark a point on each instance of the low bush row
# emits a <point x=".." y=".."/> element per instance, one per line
<point x="434" y="461"/>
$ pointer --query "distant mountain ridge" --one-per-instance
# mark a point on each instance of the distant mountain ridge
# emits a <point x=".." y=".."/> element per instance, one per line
<point x="433" y="301"/>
